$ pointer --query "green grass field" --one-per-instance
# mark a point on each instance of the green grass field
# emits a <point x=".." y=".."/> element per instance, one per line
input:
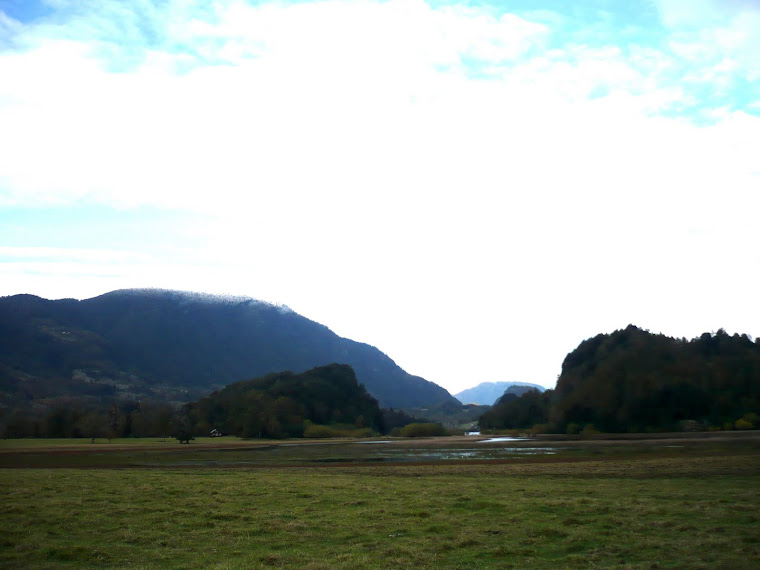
<point x="663" y="508"/>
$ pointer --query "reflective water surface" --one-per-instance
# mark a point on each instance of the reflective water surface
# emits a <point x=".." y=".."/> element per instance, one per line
<point x="368" y="451"/>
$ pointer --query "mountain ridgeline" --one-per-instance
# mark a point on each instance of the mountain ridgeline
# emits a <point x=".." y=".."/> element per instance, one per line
<point x="636" y="381"/>
<point x="140" y="354"/>
<point x="486" y="393"/>
<point x="169" y="346"/>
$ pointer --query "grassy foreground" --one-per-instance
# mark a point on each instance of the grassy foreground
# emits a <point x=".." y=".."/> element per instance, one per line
<point x="637" y="511"/>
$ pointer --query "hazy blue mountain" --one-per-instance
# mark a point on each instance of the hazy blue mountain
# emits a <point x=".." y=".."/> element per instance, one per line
<point x="486" y="393"/>
<point x="175" y="346"/>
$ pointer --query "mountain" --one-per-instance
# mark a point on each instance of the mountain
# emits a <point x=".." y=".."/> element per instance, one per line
<point x="486" y="393"/>
<point x="174" y="346"/>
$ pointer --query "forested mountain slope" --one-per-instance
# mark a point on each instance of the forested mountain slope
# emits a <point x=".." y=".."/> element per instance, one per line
<point x="174" y="346"/>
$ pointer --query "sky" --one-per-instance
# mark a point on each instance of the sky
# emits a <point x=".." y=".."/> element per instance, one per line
<point x="472" y="187"/>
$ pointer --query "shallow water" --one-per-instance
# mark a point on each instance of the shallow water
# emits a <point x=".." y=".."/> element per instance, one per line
<point x="372" y="451"/>
<point x="455" y="454"/>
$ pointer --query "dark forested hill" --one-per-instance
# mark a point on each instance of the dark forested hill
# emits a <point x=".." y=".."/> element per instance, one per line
<point x="285" y="404"/>
<point x="636" y="381"/>
<point x="529" y="409"/>
<point x="174" y="346"/>
<point x="633" y="380"/>
<point x="486" y="393"/>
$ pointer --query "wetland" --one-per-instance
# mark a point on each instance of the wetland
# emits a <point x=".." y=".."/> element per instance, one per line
<point x="660" y="502"/>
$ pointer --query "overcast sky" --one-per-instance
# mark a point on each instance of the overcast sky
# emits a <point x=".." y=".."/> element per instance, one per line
<point x="472" y="187"/>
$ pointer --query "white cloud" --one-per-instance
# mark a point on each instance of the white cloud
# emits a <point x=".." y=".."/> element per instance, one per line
<point x="78" y="255"/>
<point x="319" y="103"/>
<point x="719" y="39"/>
<point x="327" y="97"/>
<point x="680" y="14"/>
<point x="350" y="159"/>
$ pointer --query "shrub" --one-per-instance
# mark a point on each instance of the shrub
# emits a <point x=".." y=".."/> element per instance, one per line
<point x="752" y="418"/>
<point x="422" y="430"/>
<point x="317" y="431"/>
<point x="689" y="425"/>
<point x="741" y="423"/>
<point x="184" y="435"/>
<point x="589" y="429"/>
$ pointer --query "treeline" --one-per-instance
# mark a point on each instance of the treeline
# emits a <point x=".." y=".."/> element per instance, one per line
<point x="286" y="404"/>
<point x="635" y="381"/>
<point x="72" y="420"/>
<point x="530" y="410"/>
<point x="327" y="401"/>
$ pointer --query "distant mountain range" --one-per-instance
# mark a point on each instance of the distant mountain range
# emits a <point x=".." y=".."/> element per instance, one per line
<point x="486" y="393"/>
<point x="175" y="346"/>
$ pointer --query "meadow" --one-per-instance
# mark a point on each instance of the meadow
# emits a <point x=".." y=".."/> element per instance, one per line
<point x="648" y="505"/>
